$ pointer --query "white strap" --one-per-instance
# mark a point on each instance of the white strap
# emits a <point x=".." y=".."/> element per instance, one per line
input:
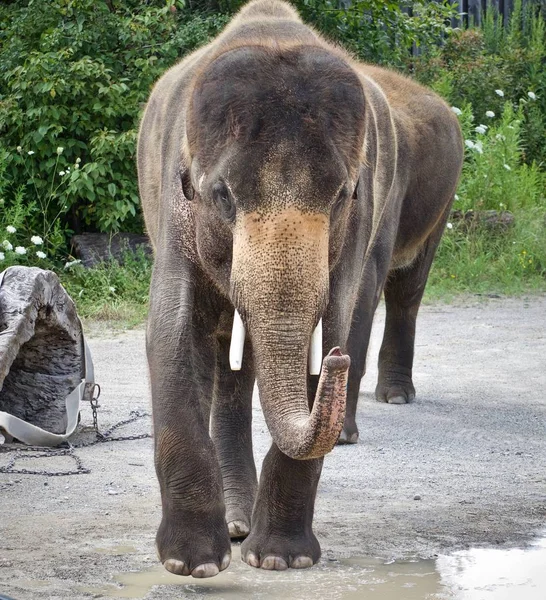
<point x="36" y="436"/>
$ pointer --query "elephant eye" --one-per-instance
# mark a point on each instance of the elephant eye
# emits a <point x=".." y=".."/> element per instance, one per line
<point x="223" y="201"/>
<point x="187" y="187"/>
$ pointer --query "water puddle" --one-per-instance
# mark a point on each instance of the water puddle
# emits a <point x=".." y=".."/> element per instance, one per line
<point x="477" y="574"/>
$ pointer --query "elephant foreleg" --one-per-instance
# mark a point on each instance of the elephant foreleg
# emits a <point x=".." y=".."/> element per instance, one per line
<point x="281" y="535"/>
<point x="193" y="537"/>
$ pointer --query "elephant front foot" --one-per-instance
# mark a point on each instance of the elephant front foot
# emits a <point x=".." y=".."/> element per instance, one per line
<point x="276" y="553"/>
<point x="349" y="433"/>
<point x="395" y="387"/>
<point x="196" y="545"/>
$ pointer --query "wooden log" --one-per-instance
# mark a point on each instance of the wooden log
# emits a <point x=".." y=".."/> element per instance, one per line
<point x="492" y="220"/>
<point x="93" y="248"/>
<point x="41" y="347"/>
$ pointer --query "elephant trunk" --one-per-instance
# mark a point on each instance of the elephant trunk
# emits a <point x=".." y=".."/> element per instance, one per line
<point x="280" y="285"/>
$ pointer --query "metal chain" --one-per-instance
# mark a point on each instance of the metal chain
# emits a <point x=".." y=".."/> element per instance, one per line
<point x="100" y="438"/>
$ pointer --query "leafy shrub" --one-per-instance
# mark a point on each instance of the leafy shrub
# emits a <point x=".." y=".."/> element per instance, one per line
<point x="495" y="177"/>
<point x="485" y="66"/>
<point x="75" y="74"/>
<point x="379" y="31"/>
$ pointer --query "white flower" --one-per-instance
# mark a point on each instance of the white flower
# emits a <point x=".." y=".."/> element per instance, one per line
<point x="19" y="149"/>
<point x="20" y="250"/>
<point x="480" y="129"/>
<point x="478" y="147"/>
<point x="2" y="256"/>
<point x="456" y="110"/>
<point x="40" y="254"/>
<point x="78" y="160"/>
<point x="76" y="166"/>
<point x="112" y="289"/>
<point x="499" y="93"/>
<point x="507" y="167"/>
<point x="532" y="95"/>
<point x="68" y="169"/>
<point x="456" y="197"/>
<point x="7" y="245"/>
<point x="469" y="144"/>
<point x="11" y="229"/>
<point x="71" y="263"/>
<point x="449" y="225"/>
<point x="36" y="240"/>
<point x="30" y="152"/>
<point x="61" y="173"/>
<point x="60" y="150"/>
<point x="490" y="114"/>
<point x="500" y="137"/>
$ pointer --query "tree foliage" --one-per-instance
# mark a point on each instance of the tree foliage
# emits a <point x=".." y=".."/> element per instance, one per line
<point x="75" y="74"/>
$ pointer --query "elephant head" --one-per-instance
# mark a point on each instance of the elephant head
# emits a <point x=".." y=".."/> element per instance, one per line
<point x="275" y="140"/>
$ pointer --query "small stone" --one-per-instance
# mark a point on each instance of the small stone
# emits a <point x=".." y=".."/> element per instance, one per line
<point x="113" y="492"/>
<point x="46" y="483"/>
<point x="417" y="497"/>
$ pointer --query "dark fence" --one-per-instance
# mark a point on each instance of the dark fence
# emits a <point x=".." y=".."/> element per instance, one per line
<point x="472" y="10"/>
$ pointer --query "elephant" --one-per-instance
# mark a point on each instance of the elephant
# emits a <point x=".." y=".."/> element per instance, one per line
<point x="285" y="186"/>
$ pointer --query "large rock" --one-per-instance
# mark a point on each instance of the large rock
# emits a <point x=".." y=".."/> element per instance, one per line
<point x="93" y="248"/>
<point x="41" y="347"/>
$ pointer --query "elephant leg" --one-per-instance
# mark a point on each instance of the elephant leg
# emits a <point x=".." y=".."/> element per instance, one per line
<point x="281" y="535"/>
<point x="193" y="537"/>
<point x="357" y="345"/>
<point x="231" y="428"/>
<point x="403" y="293"/>
<point x="357" y="348"/>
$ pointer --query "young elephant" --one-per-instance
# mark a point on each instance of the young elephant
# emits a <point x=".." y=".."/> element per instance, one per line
<point x="283" y="180"/>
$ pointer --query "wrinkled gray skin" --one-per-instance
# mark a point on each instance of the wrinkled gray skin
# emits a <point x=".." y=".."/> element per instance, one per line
<point x="279" y="177"/>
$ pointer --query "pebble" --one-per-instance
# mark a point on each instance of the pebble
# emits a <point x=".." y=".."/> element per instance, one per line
<point x="417" y="497"/>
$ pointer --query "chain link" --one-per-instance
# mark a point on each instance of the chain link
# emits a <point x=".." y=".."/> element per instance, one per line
<point x="100" y="438"/>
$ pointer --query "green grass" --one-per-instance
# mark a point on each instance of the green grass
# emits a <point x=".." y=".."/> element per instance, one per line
<point x="478" y="261"/>
<point x="114" y="293"/>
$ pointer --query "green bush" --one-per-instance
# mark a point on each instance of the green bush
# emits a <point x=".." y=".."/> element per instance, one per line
<point x="488" y="65"/>
<point x="380" y="31"/>
<point x="473" y="257"/>
<point x="75" y="74"/>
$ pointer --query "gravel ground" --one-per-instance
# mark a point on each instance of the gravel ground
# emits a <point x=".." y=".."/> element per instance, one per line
<point x="464" y="465"/>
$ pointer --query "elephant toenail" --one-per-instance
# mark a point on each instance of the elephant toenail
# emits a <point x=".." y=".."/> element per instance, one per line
<point x="225" y="561"/>
<point x="177" y="567"/>
<point x="205" y="570"/>
<point x="252" y="560"/>
<point x="397" y="400"/>
<point x="302" y="562"/>
<point x="274" y="563"/>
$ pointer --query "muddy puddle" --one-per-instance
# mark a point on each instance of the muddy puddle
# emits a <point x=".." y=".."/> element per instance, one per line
<point x="476" y="574"/>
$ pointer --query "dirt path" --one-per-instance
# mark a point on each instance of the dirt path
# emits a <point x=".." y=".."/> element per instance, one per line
<point x="465" y="464"/>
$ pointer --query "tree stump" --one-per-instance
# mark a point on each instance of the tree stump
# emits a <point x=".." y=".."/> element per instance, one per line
<point x="41" y="347"/>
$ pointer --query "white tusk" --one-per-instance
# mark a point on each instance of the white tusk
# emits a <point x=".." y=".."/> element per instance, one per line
<point x="315" y="351"/>
<point x="237" y="343"/>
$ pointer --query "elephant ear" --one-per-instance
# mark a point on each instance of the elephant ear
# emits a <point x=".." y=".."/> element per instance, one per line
<point x="380" y="153"/>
